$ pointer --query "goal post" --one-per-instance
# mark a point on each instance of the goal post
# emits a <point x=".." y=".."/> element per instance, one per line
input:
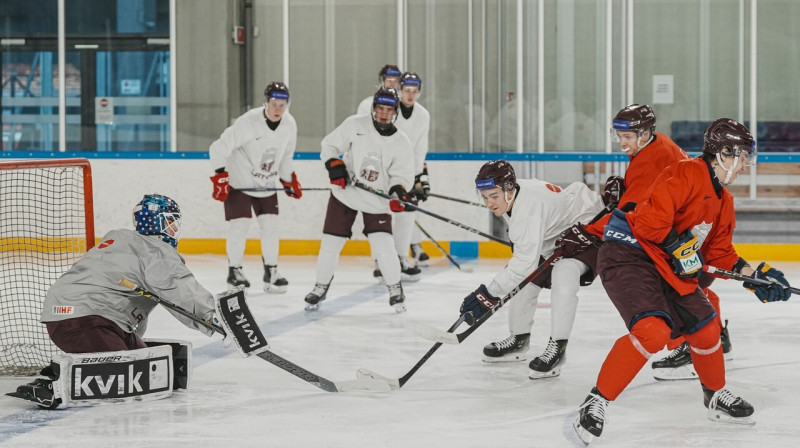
<point x="46" y="224"/>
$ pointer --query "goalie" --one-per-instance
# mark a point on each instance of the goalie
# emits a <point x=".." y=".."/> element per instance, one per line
<point x="99" y="324"/>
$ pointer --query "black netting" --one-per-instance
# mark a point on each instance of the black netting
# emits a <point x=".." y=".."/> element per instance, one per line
<point x="42" y="233"/>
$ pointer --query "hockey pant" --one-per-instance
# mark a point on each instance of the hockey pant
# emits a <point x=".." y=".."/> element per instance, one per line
<point x="565" y="281"/>
<point x="647" y="337"/>
<point x="237" y="239"/>
<point x="714" y="299"/>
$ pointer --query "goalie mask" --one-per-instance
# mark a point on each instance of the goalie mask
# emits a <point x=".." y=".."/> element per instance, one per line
<point x="158" y="215"/>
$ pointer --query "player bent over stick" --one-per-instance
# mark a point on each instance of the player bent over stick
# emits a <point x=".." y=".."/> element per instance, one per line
<point x="650" y="263"/>
<point x="372" y="151"/>
<point x="537" y="213"/>
<point x="99" y="324"/>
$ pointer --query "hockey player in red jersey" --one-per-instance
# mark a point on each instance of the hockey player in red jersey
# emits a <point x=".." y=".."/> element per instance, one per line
<point x="650" y="263"/>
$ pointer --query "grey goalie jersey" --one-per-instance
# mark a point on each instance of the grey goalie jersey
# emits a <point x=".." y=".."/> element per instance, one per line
<point x="91" y="286"/>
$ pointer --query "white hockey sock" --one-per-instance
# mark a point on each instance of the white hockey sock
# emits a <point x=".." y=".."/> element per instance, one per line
<point x="237" y="238"/>
<point x="382" y="246"/>
<point x="565" y="279"/>
<point x="402" y="227"/>
<point x="328" y="259"/>
<point x="416" y="235"/>
<point x="270" y="238"/>
<point x="522" y="309"/>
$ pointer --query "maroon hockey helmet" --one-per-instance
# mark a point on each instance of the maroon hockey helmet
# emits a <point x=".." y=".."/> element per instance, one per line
<point x="386" y="96"/>
<point x="497" y="173"/>
<point x="389" y="70"/>
<point x="729" y="137"/>
<point x="634" y="117"/>
<point x="277" y="90"/>
<point x="411" y="79"/>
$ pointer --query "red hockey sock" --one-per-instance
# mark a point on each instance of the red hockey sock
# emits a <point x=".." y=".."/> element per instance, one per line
<point x="706" y="351"/>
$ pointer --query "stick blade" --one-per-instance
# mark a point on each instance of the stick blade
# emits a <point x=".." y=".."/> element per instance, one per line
<point x="363" y="384"/>
<point x="433" y="334"/>
<point x="366" y="375"/>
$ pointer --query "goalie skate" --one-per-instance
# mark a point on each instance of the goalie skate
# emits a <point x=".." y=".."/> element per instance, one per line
<point x="39" y="391"/>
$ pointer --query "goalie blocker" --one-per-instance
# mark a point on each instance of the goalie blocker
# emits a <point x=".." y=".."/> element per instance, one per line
<point x="145" y="374"/>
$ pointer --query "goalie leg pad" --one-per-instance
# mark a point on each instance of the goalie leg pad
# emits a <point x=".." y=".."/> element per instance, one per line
<point x="239" y="324"/>
<point x="112" y="377"/>
<point x="181" y="360"/>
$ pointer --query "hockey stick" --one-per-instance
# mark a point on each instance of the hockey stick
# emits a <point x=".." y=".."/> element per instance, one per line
<point x="463" y="201"/>
<point x="744" y="278"/>
<point x="396" y="383"/>
<point x="438" y="246"/>
<point x="294" y="369"/>
<point x="442" y="218"/>
<point x="281" y="189"/>
<point x="437" y="335"/>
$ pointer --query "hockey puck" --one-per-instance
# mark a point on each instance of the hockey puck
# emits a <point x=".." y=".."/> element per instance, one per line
<point x="467" y="269"/>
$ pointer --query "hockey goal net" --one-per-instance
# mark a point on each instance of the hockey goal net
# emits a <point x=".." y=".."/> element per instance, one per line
<point x="46" y="224"/>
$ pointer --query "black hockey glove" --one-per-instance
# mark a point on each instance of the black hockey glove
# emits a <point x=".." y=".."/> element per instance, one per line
<point x="773" y="292"/>
<point x="684" y="250"/>
<point x="337" y="172"/>
<point x="614" y="189"/>
<point x="575" y="240"/>
<point x="421" y="185"/>
<point x="400" y="195"/>
<point x="478" y="302"/>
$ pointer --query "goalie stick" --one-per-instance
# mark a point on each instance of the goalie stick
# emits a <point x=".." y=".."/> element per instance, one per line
<point x="397" y="383"/>
<point x="434" y="334"/>
<point x="439" y="246"/>
<point x="744" y="278"/>
<point x="266" y="355"/>
<point x="422" y="210"/>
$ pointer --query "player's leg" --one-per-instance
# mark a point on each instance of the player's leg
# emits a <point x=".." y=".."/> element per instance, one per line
<point x="402" y="227"/>
<point x="378" y="228"/>
<point x="267" y="216"/>
<point x="521" y="310"/>
<point x="420" y="257"/>
<point x="339" y="220"/>
<point x="237" y="214"/>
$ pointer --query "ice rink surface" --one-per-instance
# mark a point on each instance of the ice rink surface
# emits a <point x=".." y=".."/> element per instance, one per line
<point x="454" y="400"/>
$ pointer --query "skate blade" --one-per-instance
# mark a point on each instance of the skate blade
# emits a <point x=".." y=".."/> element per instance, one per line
<point x="312" y="307"/>
<point x="410" y="278"/>
<point x="271" y="289"/>
<point x="366" y="374"/>
<point x="399" y="307"/>
<point x="721" y="417"/>
<point x="585" y="436"/>
<point x="511" y="357"/>
<point x="536" y="375"/>
<point x="681" y="373"/>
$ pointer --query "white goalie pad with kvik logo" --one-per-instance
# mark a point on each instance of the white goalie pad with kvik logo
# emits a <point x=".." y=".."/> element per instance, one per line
<point x="238" y="322"/>
<point x="112" y="377"/>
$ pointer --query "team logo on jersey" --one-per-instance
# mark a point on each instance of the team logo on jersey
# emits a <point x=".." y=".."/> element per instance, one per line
<point x="63" y="309"/>
<point x="553" y="188"/>
<point x="701" y="231"/>
<point x="370" y="170"/>
<point x="105" y="244"/>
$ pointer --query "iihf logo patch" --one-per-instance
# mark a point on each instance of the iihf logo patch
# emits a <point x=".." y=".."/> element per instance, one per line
<point x="63" y="309"/>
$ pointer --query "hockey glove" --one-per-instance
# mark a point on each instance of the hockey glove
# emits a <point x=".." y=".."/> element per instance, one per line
<point x="221" y="186"/>
<point x="337" y="172"/>
<point x="684" y="249"/>
<point x="421" y="185"/>
<point x="575" y="240"/>
<point x="400" y="195"/>
<point x="479" y="302"/>
<point x="614" y="189"/>
<point x="773" y="292"/>
<point x="292" y="188"/>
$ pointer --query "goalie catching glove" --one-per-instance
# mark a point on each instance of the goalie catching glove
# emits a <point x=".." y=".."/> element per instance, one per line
<point x="773" y="292"/>
<point x="684" y="250"/>
<point x="575" y="240"/>
<point x="479" y="302"/>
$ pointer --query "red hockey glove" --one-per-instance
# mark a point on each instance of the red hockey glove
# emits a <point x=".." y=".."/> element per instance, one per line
<point x="292" y="188"/>
<point x="398" y="192"/>
<point x="337" y="172"/>
<point x="221" y="186"/>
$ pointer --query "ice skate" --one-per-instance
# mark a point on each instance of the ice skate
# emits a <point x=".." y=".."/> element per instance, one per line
<point x="725" y="338"/>
<point x="421" y="259"/>
<point x="723" y="406"/>
<point x="511" y="349"/>
<point x="396" y="297"/>
<point x="376" y="273"/>
<point x="236" y="277"/>
<point x="591" y="416"/>
<point x="274" y="283"/>
<point x="316" y="296"/>
<point x="39" y="391"/>
<point x="549" y="363"/>
<point x="677" y="365"/>
<point x="408" y="273"/>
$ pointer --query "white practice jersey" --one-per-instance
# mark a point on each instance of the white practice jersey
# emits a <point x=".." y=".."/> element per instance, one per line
<point x="373" y="159"/>
<point x="365" y="106"/>
<point x="540" y="213"/>
<point x="417" y="127"/>
<point x="91" y="286"/>
<point x="254" y="155"/>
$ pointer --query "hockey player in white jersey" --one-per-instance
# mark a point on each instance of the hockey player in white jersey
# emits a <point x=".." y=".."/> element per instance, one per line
<point x="87" y="310"/>
<point x="541" y="211"/>
<point x="415" y="121"/>
<point x="252" y="159"/>
<point x="388" y="76"/>
<point x="368" y="149"/>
